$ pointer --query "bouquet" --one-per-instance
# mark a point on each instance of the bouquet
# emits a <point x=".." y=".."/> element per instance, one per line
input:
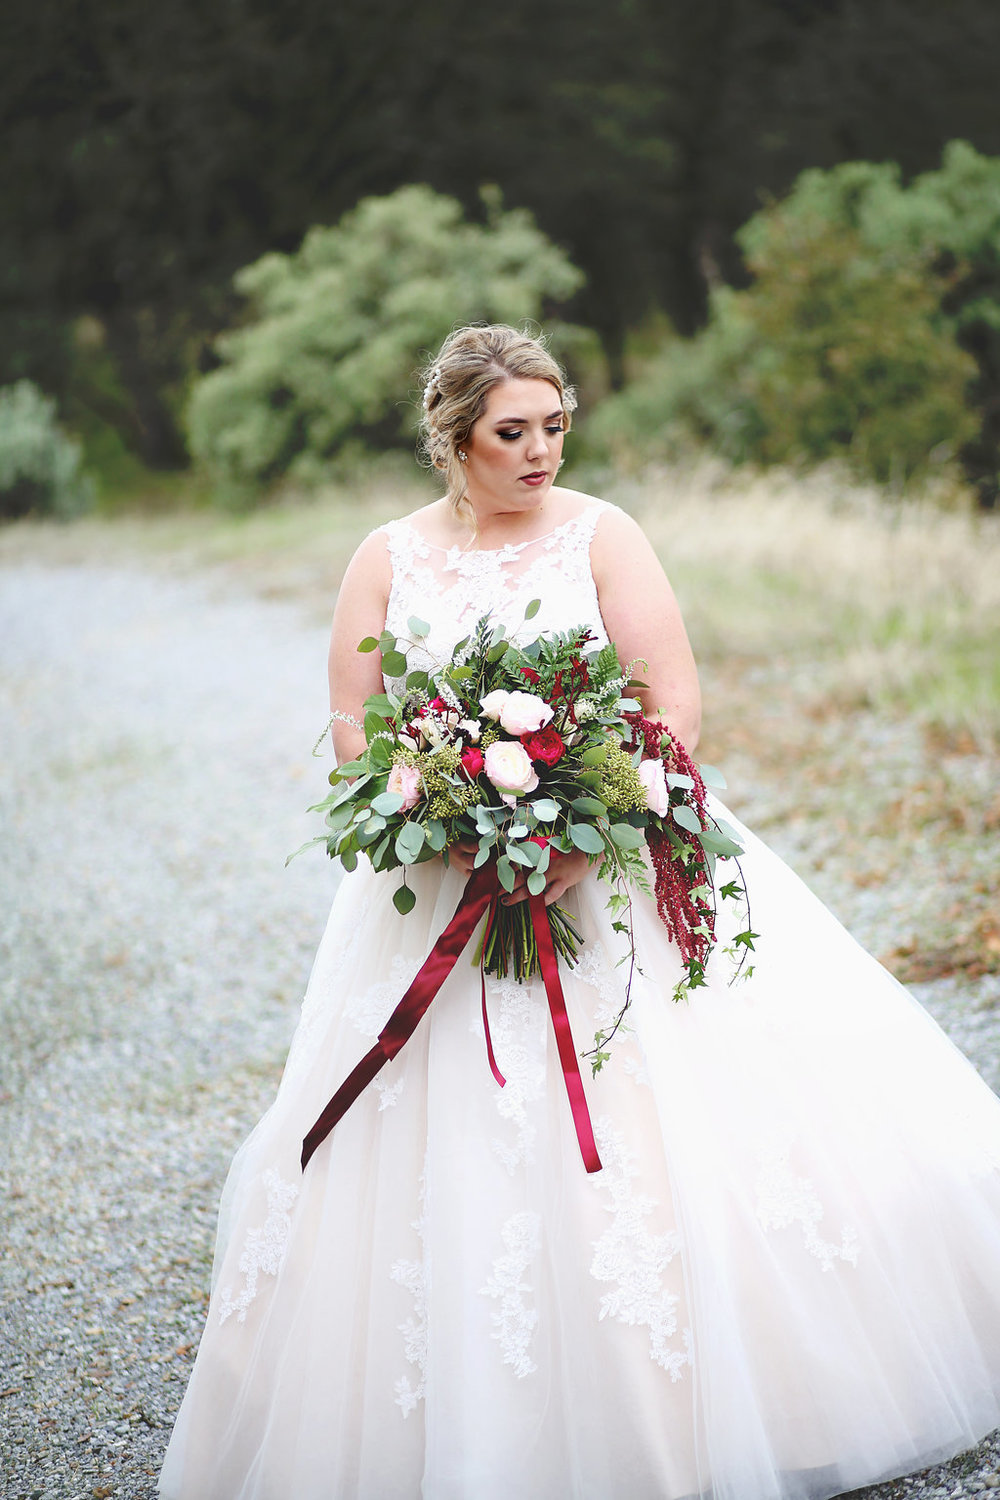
<point x="531" y="751"/>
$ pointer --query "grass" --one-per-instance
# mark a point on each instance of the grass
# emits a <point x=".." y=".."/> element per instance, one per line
<point x="850" y="650"/>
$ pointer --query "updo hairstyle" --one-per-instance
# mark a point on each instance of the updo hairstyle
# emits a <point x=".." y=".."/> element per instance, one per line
<point x="456" y="384"/>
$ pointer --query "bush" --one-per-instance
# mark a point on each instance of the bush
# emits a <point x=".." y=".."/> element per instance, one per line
<point x="39" y="463"/>
<point x="335" y="331"/>
<point x="863" y="336"/>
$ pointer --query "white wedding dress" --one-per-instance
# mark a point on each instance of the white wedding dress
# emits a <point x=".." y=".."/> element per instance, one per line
<point x="785" y="1281"/>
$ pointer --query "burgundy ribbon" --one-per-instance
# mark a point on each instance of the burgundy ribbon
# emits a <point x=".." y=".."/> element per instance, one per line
<point x="480" y="895"/>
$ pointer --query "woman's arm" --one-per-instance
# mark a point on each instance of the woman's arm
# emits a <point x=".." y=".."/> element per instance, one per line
<point x="360" y="611"/>
<point x="643" y="619"/>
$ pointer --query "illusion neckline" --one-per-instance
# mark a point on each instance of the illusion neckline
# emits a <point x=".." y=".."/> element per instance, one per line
<point x="511" y="547"/>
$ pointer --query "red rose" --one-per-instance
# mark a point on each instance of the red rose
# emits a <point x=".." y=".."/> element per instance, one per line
<point x="545" y="745"/>
<point x="472" y="761"/>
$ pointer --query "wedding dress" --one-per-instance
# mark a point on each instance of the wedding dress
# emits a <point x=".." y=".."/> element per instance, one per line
<point x="785" y="1281"/>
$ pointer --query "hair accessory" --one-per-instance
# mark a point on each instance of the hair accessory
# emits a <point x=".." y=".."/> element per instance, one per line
<point x="430" y="389"/>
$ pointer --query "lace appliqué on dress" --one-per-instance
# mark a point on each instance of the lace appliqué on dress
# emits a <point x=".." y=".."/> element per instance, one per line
<point x="629" y="1255"/>
<point x="413" y="1277"/>
<point x="371" y="1008"/>
<point x="264" y="1248"/>
<point x="514" y="1323"/>
<point x="388" y="1093"/>
<point x="518" y="1021"/>
<point x="784" y="1199"/>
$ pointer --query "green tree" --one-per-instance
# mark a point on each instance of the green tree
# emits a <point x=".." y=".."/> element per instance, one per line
<point x="335" y="331"/>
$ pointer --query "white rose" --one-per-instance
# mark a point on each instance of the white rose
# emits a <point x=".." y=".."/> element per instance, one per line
<point x="524" y="713"/>
<point x="472" y="727"/>
<point x="654" y="779"/>
<point x="493" y="703"/>
<point x="508" y="766"/>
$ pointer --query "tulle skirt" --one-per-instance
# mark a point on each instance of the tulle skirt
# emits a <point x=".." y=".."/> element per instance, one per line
<point x="785" y="1281"/>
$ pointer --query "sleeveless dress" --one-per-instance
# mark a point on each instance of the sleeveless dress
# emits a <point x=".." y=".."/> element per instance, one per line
<point x="784" y="1283"/>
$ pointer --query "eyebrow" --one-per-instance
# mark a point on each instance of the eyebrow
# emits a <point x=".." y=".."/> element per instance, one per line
<point x="501" y="421"/>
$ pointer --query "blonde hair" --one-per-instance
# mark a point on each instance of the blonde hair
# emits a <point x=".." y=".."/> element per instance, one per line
<point x="456" y="384"/>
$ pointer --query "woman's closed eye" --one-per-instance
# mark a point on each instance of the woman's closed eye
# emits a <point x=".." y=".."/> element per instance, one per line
<point x="511" y="434"/>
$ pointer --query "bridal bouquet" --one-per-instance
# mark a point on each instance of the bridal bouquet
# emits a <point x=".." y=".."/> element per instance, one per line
<point x="531" y="751"/>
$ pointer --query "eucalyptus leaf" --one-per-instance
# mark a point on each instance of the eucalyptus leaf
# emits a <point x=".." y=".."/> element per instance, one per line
<point x="532" y="609"/>
<point x="505" y="873"/>
<point x="586" y="837"/>
<point x="368" y="644"/>
<point x="536" y="883"/>
<point x="349" y="860"/>
<point x="590" y="807"/>
<point x="545" y="810"/>
<point x="686" y="817"/>
<point x="404" y="900"/>
<point x="417" y="626"/>
<point x="678" y="782"/>
<point x="520" y="856"/>
<point x="394" y="663"/>
<point x="409" y="842"/>
<point x="416" y="682"/>
<point x="595" y="756"/>
<point x="483" y="853"/>
<point x="718" y="843"/>
<point x="712" y="776"/>
<point x="387" y="803"/>
<point x="627" y="837"/>
<point x="435" y="834"/>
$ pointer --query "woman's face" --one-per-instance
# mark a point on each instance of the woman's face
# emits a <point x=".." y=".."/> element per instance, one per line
<point x="513" y="450"/>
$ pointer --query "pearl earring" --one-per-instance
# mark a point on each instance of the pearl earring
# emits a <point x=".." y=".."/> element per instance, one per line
<point x="461" y="456"/>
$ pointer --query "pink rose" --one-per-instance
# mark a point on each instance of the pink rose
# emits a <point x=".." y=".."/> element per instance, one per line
<point x="654" y="779"/>
<point x="405" y="780"/>
<point x="508" y="765"/>
<point x="524" y="713"/>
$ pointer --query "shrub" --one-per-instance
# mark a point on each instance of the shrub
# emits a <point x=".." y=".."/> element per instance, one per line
<point x="39" y="462"/>
<point x="335" y="331"/>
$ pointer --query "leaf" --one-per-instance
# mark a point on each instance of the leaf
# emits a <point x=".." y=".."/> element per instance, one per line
<point x="435" y="834"/>
<point x="416" y="682"/>
<point x="349" y="860"/>
<point x="394" y="664"/>
<point x="536" y="883"/>
<point x="586" y="837"/>
<point x="520" y="856"/>
<point x="712" y="776"/>
<point x="589" y="806"/>
<point x="417" y="626"/>
<point x="387" y="803"/>
<point x="545" y="810"/>
<point x="483" y="853"/>
<point x="532" y="609"/>
<point x="686" y="817"/>
<point x="627" y="837"/>
<point x="368" y="644"/>
<point x="718" y="843"/>
<point x="595" y="756"/>
<point x="505" y="873"/>
<point x="678" y="782"/>
<point x="404" y="900"/>
<point x="409" y="842"/>
<point x="498" y="652"/>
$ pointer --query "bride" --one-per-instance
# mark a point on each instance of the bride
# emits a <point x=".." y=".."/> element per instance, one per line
<point x="783" y="1283"/>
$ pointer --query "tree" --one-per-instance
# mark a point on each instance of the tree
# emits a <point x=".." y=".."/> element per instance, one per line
<point x="334" y="332"/>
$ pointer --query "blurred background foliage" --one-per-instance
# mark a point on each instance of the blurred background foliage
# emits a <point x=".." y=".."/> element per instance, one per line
<point x="775" y="254"/>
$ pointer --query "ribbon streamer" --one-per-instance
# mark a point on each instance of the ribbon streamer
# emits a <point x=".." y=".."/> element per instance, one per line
<point x="480" y="895"/>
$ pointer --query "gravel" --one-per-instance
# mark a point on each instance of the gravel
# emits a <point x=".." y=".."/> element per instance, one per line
<point x="156" y="732"/>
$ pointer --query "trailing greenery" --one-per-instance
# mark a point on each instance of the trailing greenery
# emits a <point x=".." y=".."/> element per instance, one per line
<point x="335" y="331"/>
<point x="39" y="464"/>
<point x="870" y="332"/>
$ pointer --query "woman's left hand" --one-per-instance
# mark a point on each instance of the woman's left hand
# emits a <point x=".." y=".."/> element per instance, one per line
<point x="564" y="871"/>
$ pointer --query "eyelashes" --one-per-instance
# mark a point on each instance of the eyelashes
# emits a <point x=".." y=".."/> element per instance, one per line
<point x="511" y="436"/>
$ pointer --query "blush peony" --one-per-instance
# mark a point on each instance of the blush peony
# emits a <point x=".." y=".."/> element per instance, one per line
<point x="405" y="780"/>
<point x="524" y="713"/>
<point x="654" y="779"/>
<point x="509" y="767"/>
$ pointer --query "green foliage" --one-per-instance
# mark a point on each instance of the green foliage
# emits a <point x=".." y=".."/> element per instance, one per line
<point x="39" y="463"/>
<point x="336" y="330"/>
<point x="870" y="332"/>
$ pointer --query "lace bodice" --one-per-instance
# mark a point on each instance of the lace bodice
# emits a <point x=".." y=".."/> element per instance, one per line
<point x="450" y="588"/>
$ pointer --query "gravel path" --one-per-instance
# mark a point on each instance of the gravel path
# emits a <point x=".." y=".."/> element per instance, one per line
<point x="153" y="949"/>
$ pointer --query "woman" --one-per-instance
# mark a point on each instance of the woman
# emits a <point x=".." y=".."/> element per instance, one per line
<point x="782" y="1283"/>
